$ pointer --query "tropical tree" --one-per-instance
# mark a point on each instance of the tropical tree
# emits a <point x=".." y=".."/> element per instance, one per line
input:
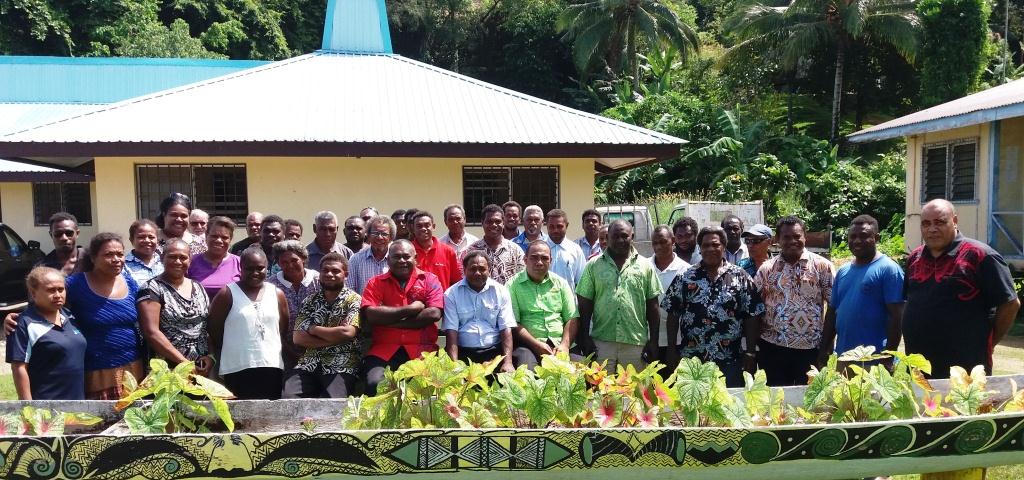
<point x="612" y="31"/>
<point x="805" y="27"/>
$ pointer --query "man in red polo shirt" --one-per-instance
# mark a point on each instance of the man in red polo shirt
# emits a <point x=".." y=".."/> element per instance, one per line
<point x="401" y="308"/>
<point x="433" y="255"/>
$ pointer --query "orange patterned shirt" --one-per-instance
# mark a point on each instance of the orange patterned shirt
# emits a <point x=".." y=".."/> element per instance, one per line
<point x="794" y="297"/>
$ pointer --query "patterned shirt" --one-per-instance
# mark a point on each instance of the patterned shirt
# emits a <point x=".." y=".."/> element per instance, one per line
<point x="362" y="267"/>
<point x="316" y="311"/>
<point x="588" y="249"/>
<point x="140" y="270"/>
<point x="506" y="260"/>
<point x="295" y="294"/>
<point x="711" y="314"/>
<point x="620" y="297"/>
<point x="794" y="297"/>
<point x="182" y="320"/>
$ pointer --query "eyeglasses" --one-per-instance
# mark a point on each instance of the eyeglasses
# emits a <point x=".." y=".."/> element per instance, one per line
<point x="754" y="240"/>
<point x="379" y="234"/>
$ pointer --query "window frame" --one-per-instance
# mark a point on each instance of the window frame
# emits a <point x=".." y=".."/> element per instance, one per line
<point x="509" y="172"/>
<point x="192" y="176"/>
<point x="62" y="207"/>
<point x="949" y="145"/>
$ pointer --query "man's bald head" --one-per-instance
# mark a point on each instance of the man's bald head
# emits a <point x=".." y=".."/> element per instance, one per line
<point x="938" y="225"/>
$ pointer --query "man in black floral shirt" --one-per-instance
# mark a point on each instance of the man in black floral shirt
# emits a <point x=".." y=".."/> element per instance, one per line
<point x="714" y="304"/>
<point x="328" y="327"/>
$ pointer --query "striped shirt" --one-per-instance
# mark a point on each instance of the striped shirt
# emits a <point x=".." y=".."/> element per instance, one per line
<point x="362" y="267"/>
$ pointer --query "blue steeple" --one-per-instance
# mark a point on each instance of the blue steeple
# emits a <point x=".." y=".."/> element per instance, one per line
<point x="357" y="26"/>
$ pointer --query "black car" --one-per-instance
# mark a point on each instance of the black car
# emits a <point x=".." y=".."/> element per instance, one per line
<point x="16" y="259"/>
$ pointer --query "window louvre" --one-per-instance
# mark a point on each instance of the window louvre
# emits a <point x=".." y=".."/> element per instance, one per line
<point x="482" y="186"/>
<point x="217" y="189"/>
<point x="949" y="171"/>
<point x="49" y="198"/>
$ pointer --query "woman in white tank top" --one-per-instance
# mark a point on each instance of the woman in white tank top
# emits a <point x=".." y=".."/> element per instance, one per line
<point x="247" y="321"/>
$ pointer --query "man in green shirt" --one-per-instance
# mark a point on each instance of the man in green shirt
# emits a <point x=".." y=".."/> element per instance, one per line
<point x="544" y="307"/>
<point x="618" y="295"/>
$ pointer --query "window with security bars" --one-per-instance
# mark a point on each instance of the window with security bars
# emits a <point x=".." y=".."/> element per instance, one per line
<point x="949" y="171"/>
<point x="217" y="189"/>
<point x="49" y="198"/>
<point x="482" y="186"/>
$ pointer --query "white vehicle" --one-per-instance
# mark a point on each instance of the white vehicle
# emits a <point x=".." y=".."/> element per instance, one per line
<point x="709" y="214"/>
<point x="639" y="217"/>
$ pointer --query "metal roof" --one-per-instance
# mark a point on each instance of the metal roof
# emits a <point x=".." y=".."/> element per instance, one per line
<point x="12" y="171"/>
<point x="102" y="80"/>
<point x="19" y="116"/>
<point x="341" y="104"/>
<point x="357" y="26"/>
<point x="996" y="103"/>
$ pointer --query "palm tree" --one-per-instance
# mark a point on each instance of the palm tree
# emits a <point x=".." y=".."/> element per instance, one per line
<point x="607" y="29"/>
<point x="788" y="34"/>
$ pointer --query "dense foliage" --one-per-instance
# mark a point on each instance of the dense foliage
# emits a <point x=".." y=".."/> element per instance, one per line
<point x="954" y="48"/>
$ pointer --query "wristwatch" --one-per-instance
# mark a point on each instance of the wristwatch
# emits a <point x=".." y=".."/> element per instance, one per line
<point x="750" y="354"/>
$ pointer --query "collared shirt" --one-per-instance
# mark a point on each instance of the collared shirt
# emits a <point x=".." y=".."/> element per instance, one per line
<point x="440" y="260"/>
<point x="694" y="257"/>
<point x="589" y="250"/>
<point x="140" y="270"/>
<point x="362" y="267"/>
<point x="734" y="258"/>
<point x="316" y="311"/>
<point x="54" y="355"/>
<point x="315" y="254"/>
<point x="506" y="260"/>
<point x="711" y="313"/>
<point x="665" y="278"/>
<point x="460" y="247"/>
<point x="385" y="291"/>
<point x="524" y="243"/>
<point x="950" y="303"/>
<point x="542" y="308"/>
<point x="748" y="265"/>
<point x="50" y="260"/>
<point x="620" y="297"/>
<point x="295" y="294"/>
<point x="794" y="297"/>
<point x="478" y="317"/>
<point x="567" y="261"/>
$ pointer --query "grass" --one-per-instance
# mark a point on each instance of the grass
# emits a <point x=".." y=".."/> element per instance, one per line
<point x="7" y="391"/>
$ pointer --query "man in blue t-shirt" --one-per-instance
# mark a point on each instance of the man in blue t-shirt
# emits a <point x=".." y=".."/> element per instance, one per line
<point x="867" y="296"/>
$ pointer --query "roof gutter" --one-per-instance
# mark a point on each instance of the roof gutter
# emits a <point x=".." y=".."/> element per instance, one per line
<point x="939" y="124"/>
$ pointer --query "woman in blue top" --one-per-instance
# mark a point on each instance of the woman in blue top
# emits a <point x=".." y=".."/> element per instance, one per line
<point x="46" y="351"/>
<point x="102" y="298"/>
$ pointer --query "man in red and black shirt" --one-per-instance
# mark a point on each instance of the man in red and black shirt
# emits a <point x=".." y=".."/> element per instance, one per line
<point x="960" y="296"/>
<point x="401" y="307"/>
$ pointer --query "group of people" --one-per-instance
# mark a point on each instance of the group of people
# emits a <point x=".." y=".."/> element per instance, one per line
<point x="274" y="318"/>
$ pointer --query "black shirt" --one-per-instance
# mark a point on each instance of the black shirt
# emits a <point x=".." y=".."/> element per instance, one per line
<point x="242" y="244"/>
<point x="51" y="260"/>
<point x="55" y="355"/>
<point x="950" y="304"/>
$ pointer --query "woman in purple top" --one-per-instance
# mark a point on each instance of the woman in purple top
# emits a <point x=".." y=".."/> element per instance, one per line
<point x="216" y="268"/>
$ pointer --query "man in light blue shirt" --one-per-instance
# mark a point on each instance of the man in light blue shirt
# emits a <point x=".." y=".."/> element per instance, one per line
<point x="567" y="259"/>
<point x="478" y="317"/>
<point x="590" y="242"/>
<point x="533" y="218"/>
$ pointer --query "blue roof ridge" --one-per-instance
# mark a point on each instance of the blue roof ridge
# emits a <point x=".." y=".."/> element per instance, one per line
<point x="153" y="61"/>
<point x="170" y="91"/>
<point x="530" y="98"/>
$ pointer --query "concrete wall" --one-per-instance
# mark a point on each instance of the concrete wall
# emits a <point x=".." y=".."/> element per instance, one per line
<point x="16" y="202"/>
<point x="973" y="215"/>
<point x="299" y="187"/>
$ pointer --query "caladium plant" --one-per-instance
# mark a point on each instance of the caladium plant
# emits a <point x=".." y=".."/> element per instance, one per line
<point x="172" y="408"/>
<point x="43" y="422"/>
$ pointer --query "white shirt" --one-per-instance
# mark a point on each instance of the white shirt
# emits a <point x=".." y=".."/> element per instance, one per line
<point x="567" y="261"/>
<point x="251" y="331"/>
<point x="734" y="258"/>
<point x="461" y="247"/>
<point x="666" y="276"/>
<point x="478" y="317"/>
